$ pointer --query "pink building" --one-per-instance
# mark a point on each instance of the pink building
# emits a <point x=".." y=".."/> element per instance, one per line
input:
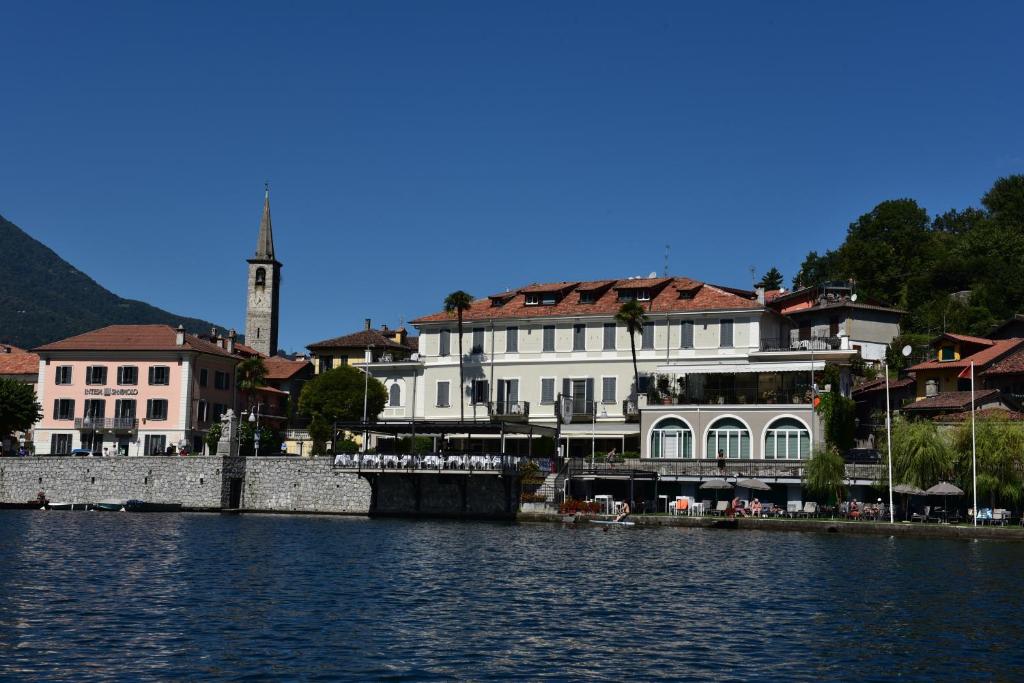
<point x="133" y="390"/>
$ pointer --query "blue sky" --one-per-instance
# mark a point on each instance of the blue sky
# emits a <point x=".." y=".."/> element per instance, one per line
<point x="416" y="148"/>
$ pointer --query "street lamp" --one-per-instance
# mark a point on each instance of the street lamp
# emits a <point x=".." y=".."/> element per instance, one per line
<point x="254" y="421"/>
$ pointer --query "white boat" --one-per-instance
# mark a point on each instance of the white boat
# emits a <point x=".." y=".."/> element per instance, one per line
<point x="611" y="522"/>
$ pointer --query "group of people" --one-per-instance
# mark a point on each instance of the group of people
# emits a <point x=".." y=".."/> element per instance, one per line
<point x="737" y="509"/>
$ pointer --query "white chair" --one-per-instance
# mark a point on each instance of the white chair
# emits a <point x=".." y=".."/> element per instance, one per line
<point x="793" y="508"/>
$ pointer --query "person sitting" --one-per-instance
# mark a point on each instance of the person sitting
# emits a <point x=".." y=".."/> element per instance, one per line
<point x="755" y="508"/>
<point x="854" y="509"/>
<point x="610" y="457"/>
<point x="738" y="508"/>
<point x="624" y="513"/>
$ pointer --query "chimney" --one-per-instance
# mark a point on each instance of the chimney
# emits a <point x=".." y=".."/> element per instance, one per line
<point x="366" y="324"/>
<point x="179" y="336"/>
<point x="213" y="334"/>
<point x="760" y="295"/>
<point x="231" y="341"/>
<point x="383" y="328"/>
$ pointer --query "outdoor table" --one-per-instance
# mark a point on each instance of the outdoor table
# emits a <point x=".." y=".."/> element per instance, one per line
<point x="696" y="509"/>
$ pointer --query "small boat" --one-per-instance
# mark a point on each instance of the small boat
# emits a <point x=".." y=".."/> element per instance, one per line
<point x="111" y="505"/>
<point x="611" y="522"/>
<point x="135" y="505"/>
<point x="69" y="506"/>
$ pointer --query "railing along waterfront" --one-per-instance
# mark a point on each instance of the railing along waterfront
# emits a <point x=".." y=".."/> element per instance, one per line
<point x="710" y="469"/>
<point x="435" y="462"/>
<point x="106" y="423"/>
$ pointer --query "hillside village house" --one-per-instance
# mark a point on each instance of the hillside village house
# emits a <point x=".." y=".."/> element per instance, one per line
<point x="715" y="386"/>
<point x="133" y="389"/>
<point x="943" y="384"/>
<point x="22" y="366"/>
<point x="819" y="315"/>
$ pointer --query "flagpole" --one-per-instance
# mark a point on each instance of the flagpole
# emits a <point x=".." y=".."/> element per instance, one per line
<point x="888" y="438"/>
<point x="974" y="450"/>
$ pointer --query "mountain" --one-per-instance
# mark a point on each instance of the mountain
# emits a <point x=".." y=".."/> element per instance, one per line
<point x="44" y="298"/>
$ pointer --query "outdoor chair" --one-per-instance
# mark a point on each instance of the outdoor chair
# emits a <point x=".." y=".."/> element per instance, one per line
<point x="920" y="516"/>
<point x="1000" y="516"/>
<point x="720" y="507"/>
<point x="793" y="508"/>
<point x="707" y="507"/>
<point x="810" y="509"/>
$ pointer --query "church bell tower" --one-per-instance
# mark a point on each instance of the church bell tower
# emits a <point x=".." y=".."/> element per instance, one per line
<point x="264" y="291"/>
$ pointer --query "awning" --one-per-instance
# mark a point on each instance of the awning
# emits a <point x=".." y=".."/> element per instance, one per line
<point x="738" y="368"/>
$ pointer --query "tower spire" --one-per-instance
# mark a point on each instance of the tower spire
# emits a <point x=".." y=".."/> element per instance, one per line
<point x="265" y="241"/>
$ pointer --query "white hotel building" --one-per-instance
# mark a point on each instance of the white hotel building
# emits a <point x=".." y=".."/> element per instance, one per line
<point x="726" y="385"/>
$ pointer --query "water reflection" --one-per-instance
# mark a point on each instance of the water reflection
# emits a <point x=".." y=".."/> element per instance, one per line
<point x="93" y="595"/>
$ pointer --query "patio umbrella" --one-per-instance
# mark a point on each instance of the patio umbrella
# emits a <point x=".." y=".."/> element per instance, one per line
<point x="716" y="485"/>
<point x="754" y="484"/>
<point x="945" y="489"/>
<point x="907" y="490"/>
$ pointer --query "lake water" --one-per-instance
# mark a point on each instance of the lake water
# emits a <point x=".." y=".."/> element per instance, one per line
<point x="89" y="595"/>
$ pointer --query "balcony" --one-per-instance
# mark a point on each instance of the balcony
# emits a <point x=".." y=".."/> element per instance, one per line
<point x="630" y="411"/>
<point x="112" y="423"/>
<point x="510" y="411"/>
<point x="788" y="344"/>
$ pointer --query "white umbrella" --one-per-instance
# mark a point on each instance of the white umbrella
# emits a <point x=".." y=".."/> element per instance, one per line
<point x="944" y="489"/>
<point x="754" y="484"/>
<point x="717" y="484"/>
<point x="908" y="489"/>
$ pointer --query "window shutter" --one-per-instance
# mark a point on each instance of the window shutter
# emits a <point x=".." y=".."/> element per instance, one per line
<point x="726" y="334"/>
<point x="149" y="407"/>
<point x="648" y="335"/>
<point x="513" y="391"/>
<point x="566" y="386"/>
<point x="687" y="334"/>
<point x="151" y="368"/>
<point x="608" y="390"/>
<point x="512" y="340"/>
<point x="609" y="336"/>
<point x="56" y="409"/>
<point x="590" y="389"/>
<point x="547" y="390"/>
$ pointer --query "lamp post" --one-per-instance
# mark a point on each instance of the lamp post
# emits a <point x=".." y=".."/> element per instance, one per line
<point x="888" y="437"/>
<point x="366" y="389"/>
<point x="254" y="421"/>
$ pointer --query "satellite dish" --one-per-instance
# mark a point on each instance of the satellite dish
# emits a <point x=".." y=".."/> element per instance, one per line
<point x="906" y="351"/>
<point x="853" y="297"/>
<point x="653" y="274"/>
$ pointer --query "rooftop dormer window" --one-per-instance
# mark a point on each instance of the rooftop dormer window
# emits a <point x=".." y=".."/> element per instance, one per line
<point x="643" y="294"/>
<point x="533" y="299"/>
<point x="947" y="353"/>
<point x="541" y="299"/>
<point x="587" y="297"/>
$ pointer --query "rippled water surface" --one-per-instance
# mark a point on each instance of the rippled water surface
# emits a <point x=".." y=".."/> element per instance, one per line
<point x="184" y="596"/>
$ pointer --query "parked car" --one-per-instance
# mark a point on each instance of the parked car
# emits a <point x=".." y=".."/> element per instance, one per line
<point x="83" y="452"/>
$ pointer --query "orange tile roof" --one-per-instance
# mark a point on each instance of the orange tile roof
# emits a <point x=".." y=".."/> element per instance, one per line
<point x="953" y="401"/>
<point x="15" y="361"/>
<point x="1011" y="364"/>
<point x="967" y="338"/>
<point x="279" y="368"/>
<point x="981" y="359"/>
<point x="133" y="338"/>
<point x="666" y="300"/>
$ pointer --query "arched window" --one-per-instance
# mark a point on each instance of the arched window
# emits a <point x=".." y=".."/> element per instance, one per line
<point x="730" y="437"/>
<point x="395" y="396"/>
<point x="261" y="276"/>
<point x="787" y="439"/>
<point x="671" y="438"/>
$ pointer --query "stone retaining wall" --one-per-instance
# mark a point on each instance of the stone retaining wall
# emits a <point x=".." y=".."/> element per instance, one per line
<point x="290" y="484"/>
<point x="195" y="482"/>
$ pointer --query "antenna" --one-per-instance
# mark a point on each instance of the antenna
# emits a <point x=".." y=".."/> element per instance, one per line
<point x="753" y="278"/>
<point x="668" y="247"/>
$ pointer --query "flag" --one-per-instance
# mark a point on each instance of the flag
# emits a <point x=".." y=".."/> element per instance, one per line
<point x="966" y="374"/>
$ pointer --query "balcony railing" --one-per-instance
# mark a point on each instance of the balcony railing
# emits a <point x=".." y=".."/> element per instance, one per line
<point x="126" y="423"/>
<point x="789" y="344"/>
<point x="709" y="468"/>
<point x="510" y="410"/>
<point x="630" y="411"/>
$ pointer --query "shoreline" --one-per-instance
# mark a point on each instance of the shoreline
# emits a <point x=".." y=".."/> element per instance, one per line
<point x="814" y="525"/>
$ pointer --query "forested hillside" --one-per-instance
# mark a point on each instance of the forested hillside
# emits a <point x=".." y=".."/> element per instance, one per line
<point x="44" y="298"/>
<point x="961" y="271"/>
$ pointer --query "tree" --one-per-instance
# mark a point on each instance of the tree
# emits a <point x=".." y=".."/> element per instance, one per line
<point x="771" y="280"/>
<point x="337" y="396"/>
<point x="632" y="315"/>
<point x="458" y="302"/>
<point x="816" y="269"/>
<point x="1000" y="448"/>
<point x="826" y="474"/>
<point x="213" y="437"/>
<point x="19" y="409"/>
<point x="250" y="375"/>
<point x="921" y="456"/>
<point x="837" y="416"/>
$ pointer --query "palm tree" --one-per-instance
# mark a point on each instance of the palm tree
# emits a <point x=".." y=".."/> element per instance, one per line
<point x="250" y="375"/>
<point x="632" y="316"/>
<point x="458" y="302"/>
